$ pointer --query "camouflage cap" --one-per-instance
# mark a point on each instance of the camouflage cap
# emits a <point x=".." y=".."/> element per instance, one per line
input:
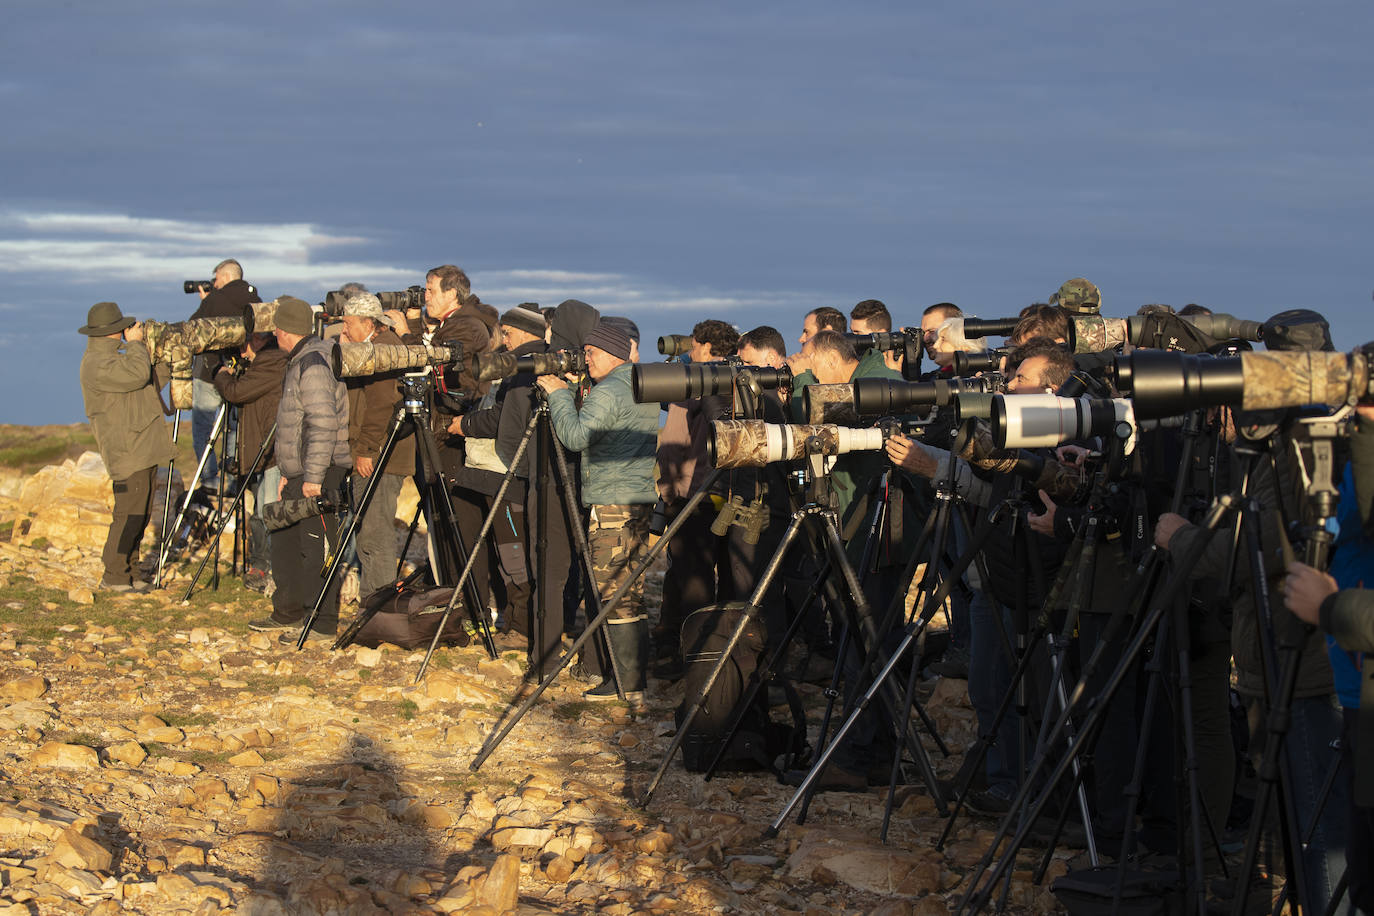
<point x="1080" y="296"/>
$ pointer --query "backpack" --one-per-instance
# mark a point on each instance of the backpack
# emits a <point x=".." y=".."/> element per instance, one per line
<point x="406" y="616"/>
<point x="759" y="741"/>
<point x="1091" y="892"/>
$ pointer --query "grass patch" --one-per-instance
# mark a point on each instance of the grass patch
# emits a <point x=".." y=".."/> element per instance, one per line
<point x="19" y="599"/>
<point x="85" y="739"/>
<point x="184" y="719"/>
<point x="407" y="709"/>
<point x="574" y="710"/>
<point x="39" y="543"/>
<point x="29" y="448"/>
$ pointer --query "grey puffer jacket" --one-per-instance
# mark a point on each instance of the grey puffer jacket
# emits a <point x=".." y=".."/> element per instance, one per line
<point x="312" y="419"/>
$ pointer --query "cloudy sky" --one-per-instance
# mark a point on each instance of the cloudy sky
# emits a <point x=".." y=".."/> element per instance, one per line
<point x="676" y="162"/>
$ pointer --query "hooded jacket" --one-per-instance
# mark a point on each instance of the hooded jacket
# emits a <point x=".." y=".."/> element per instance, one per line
<point x="312" y="419"/>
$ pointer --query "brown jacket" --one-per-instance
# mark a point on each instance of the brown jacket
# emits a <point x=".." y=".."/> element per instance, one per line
<point x="372" y="403"/>
<point x="256" y="393"/>
<point x="470" y="325"/>
<point x="120" y="391"/>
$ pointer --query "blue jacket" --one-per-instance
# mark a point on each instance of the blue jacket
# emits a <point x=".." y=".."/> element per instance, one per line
<point x="616" y="436"/>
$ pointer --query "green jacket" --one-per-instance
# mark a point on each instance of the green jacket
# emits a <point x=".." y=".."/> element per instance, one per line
<point x="616" y="436"/>
<point x="854" y="471"/>
<point x="120" y="391"/>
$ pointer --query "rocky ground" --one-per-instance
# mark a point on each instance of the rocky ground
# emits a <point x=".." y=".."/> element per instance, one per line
<point x="158" y="757"/>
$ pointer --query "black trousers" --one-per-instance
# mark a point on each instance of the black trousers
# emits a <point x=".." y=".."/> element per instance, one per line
<point x="133" y="500"/>
<point x="694" y="557"/>
<point x="299" y="552"/>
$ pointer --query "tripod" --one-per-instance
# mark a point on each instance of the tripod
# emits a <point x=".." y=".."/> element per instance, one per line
<point x="169" y="535"/>
<point x="258" y="460"/>
<point x="412" y="416"/>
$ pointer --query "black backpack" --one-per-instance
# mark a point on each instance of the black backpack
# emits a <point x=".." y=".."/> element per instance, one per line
<point x="759" y="741"/>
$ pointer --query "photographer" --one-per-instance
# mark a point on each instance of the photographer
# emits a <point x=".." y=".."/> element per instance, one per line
<point x="824" y="318"/>
<point x="120" y="392"/>
<point x="314" y="459"/>
<point x="871" y="317"/>
<point x="763" y="346"/>
<point x="256" y="391"/>
<point x="522" y="332"/>
<point x="229" y="296"/>
<point x="372" y="404"/>
<point x="1276" y="486"/>
<point x="931" y="319"/>
<point x="696" y="557"/>
<point x="617" y="439"/>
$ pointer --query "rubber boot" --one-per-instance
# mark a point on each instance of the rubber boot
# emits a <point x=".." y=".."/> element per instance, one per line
<point x="629" y="641"/>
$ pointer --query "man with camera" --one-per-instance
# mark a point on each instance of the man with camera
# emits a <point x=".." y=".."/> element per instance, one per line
<point x="314" y="459"/>
<point x="872" y="317"/>
<point x="228" y="296"/>
<point x="617" y="438"/>
<point x="504" y="423"/>
<point x="120" y="392"/>
<point x="695" y="556"/>
<point x="372" y="405"/>
<point x="254" y="387"/>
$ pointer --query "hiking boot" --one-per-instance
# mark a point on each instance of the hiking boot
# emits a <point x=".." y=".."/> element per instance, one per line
<point x="987" y="803"/>
<point x="292" y="634"/>
<point x="257" y="580"/>
<point x="602" y="692"/>
<point x="123" y="588"/>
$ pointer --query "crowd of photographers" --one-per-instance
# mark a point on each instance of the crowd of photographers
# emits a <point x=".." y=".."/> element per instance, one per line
<point x="1051" y="510"/>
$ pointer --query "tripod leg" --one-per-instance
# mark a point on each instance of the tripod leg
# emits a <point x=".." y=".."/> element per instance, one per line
<point x="238" y="501"/>
<point x="169" y="536"/>
<point x="477" y="545"/>
<point x="167" y="498"/>
<point x="497" y="737"/>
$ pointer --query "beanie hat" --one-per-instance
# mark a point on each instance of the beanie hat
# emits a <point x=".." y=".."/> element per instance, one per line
<point x="611" y="339"/>
<point x="529" y="320"/>
<point x="1297" y="329"/>
<point x="630" y="329"/>
<point x="294" y="316"/>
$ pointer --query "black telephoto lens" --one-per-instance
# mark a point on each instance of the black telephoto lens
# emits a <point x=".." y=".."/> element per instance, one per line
<point x="989" y="327"/>
<point x="1168" y="384"/>
<point x="195" y="286"/>
<point x="671" y="382"/>
<point x="969" y="363"/>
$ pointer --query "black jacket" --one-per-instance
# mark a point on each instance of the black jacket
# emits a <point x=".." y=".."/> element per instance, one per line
<point x="232" y="300"/>
<point x="505" y="421"/>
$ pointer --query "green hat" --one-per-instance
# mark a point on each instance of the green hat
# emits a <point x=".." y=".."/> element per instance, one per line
<point x="105" y="319"/>
<point x="295" y="316"/>
<point x="1078" y="295"/>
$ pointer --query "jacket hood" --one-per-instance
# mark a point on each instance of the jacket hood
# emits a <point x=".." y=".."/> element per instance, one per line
<point x="572" y="320"/>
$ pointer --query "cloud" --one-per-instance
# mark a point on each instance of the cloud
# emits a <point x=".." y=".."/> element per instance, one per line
<point x="99" y="248"/>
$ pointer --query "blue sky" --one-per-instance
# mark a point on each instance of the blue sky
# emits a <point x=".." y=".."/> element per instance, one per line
<point x="724" y="160"/>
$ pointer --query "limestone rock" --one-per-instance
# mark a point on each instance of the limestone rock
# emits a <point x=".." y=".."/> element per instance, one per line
<point x="24" y="688"/>
<point x="500" y="890"/>
<point x="129" y="753"/>
<point x="855" y="860"/>
<point x="76" y="850"/>
<point x="66" y="756"/>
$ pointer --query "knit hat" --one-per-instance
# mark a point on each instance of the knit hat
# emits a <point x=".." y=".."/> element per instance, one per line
<point x="529" y="320"/>
<point x="624" y="324"/>
<point x="1298" y="329"/>
<point x="105" y="319"/>
<point x="294" y="316"/>
<point x="609" y="338"/>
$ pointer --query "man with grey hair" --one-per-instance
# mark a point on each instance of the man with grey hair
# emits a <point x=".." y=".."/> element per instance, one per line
<point x="372" y="404"/>
<point x="229" y="297"/>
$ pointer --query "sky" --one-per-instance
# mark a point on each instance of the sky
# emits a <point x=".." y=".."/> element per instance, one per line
<point x="677" y="162"/>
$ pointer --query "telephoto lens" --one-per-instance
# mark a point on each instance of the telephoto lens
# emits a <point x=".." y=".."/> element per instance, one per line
<point x="674" y="344"/>
<point x="754" y="443"/>
<point x="671" y="382"/>
<point x="882" y="397"/>
<point x="971" y="363"/>
<point x="195" y="286"/>
<point x="973" y="405"/>
<point x="989" y="327"/>
<point x="1047" y="420"/>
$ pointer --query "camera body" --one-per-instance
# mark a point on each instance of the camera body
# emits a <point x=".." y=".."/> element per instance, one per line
<point x="410" y="298"/>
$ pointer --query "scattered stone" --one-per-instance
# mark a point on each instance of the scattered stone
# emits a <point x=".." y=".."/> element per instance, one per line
<point x="500" y="890"/>
<point x="24" y="688"/>
<point x="76" y="850"/>
<point x="129" y="753"/>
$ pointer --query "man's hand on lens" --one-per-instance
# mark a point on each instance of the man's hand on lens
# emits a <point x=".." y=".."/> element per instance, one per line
<point x="455" y="426"/>
<point x="311" y="489"/>
<point x="203" y="290"/>
<point x="907" y="455"/>
<point x="1072" y="455"/>
<point x="552" y="383"/>
<point x="134" y="331"/>
<point x="1165" y="528"/>
<point x="1044" y="522"/>
<point x="364" y="466"/>
<point x="402" y="327"/>
<point x="1304" y="590"/>
<point x="281" y="486"/>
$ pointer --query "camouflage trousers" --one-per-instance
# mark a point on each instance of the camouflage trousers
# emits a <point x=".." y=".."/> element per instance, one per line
<point x="619" y="538"/>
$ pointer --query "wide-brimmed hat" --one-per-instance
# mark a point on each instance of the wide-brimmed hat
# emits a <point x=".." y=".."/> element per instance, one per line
<point x="105" y="319"/>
